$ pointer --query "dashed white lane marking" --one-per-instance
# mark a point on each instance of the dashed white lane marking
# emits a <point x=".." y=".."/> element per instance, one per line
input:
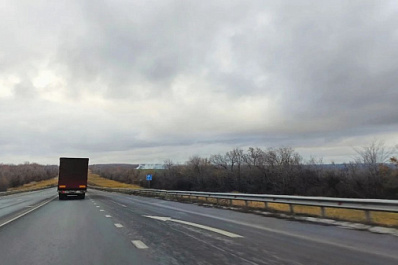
<point x="108" y="215"/>
<point x="212" y="229"/>
<point x="139" y="244"/>
<point x="97" y="206"/>
<point x="118" y="225"/>
<point x="102" y="210"/>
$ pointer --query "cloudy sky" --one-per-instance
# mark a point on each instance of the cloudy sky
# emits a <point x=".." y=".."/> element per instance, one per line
<point x="144" y="81"/>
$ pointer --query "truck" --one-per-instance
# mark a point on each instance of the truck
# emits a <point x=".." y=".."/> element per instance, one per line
<point x="72" y="178"/>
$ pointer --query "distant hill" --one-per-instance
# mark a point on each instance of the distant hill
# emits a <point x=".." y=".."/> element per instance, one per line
<point x="127" y="166"/>
<point x="124" y="166"/>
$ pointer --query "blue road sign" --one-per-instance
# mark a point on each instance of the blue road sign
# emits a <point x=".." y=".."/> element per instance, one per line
<point x="148" y="177"/>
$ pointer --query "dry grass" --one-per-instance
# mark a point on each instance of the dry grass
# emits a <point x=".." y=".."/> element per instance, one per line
<point x="254" y="204"/>
<point x="384" y="218"/>
<point x="96" y="180"/>
<point x="93" y="179"/>
<point x="238" y="203"/>
<point x="36" y="185"/>
<point x="283" y="207"/>
<point x="346" y="214"/>
<point x="203" y="199"/>
<point x="307" y="210"/>
<point x="212" y="200"/>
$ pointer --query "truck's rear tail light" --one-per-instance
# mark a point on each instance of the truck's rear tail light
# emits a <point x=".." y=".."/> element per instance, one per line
<point x="62" y="186"/>
<point x="82" y="186"/>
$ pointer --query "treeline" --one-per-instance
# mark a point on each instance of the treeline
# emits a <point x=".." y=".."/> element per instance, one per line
<point x="275" y="171"/>
<point x="125" y="173"/>
<point x="17" y="175"/>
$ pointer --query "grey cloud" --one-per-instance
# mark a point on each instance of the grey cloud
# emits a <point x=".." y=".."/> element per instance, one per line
<point x="136" y="76"/>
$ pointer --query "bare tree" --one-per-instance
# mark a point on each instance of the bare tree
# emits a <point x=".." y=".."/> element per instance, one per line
<point x="372" y="158"/>
<point x="219" y="161"/>
<point x="373" y="155"/>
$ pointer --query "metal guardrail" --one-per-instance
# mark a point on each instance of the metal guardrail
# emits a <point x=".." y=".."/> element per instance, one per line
<point x="366" y="205"/>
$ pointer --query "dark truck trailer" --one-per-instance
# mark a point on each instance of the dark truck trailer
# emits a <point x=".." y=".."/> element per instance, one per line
<point x="72" y="179"/>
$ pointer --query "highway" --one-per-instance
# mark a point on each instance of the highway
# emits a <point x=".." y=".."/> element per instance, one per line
<point x="113" y="228"/>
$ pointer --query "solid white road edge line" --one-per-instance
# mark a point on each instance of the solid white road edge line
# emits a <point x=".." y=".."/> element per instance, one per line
<point x="25" y="213"/>
<point x="139" y="244"/>
<point x="212" y="229"/>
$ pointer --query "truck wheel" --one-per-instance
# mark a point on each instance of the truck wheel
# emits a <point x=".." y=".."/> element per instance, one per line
<point x="61" y="197"/>
<point x="82" y="196"/>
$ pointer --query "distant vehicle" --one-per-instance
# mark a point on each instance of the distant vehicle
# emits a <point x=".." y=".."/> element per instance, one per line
<point x="72" y="180"/>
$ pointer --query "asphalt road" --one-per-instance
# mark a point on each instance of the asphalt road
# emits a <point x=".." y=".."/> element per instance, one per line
<point x="112" y="228"/>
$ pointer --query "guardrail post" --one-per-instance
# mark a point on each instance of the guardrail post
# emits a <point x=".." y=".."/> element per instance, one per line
<point x="368" y="216"/>
<point x="246" y="203"/>
<point x="322" y="212"/>
<point x="291" y="208"/>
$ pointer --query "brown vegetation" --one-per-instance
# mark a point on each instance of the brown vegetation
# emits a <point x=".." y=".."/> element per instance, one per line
<point x="12" y="176"/>
<point x="37" y="185"/>
<point x="96" y="180"/>
<point x="274" y="171"/>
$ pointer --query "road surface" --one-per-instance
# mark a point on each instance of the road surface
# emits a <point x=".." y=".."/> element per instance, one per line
<point x="112" y="228"/>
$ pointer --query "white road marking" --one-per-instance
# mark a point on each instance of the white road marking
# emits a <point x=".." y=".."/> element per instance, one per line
<point x="102" y="210"/>
<point x="267" y="229"/>
<point x="97" y="206"/>
<point x="259" y="227"/>
<point x="139" y="244"/>
<point x="25" y="213"/>
<point x="160" y="218"/>
<point x="212" y="229"/>
<point x="108" y="215"/>
<point x="119" y="204"/>
<point x="118" y="225"/>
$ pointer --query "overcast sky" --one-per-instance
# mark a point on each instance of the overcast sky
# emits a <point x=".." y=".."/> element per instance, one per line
<point x="144" y="81"/>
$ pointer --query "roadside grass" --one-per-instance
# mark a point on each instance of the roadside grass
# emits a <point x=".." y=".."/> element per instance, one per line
<point x="380" y="218"/>
<point x="36" y="185"/>
<point x="93" y="179"/>
<point x="96" y="180"/>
